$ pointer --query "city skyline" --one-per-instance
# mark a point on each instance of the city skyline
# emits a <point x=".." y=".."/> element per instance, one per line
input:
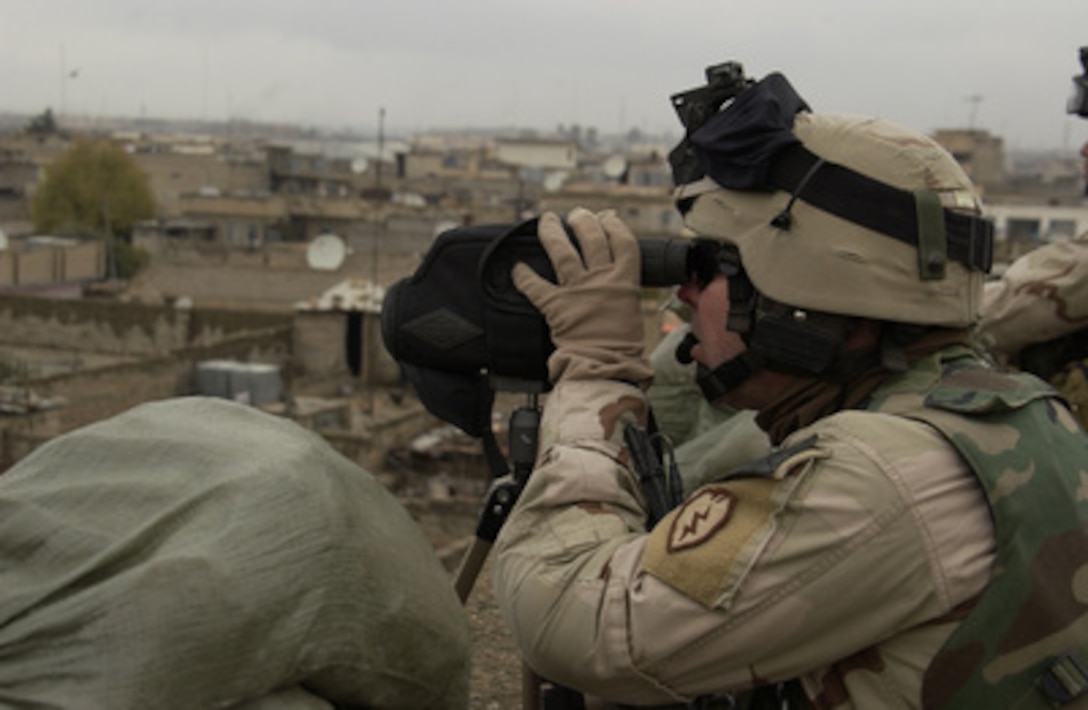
<point x="1000" y="66"/>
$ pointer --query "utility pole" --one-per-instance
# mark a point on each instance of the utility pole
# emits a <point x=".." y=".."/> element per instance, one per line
<point x="378" y="236"/>
<point x="377" y="195"/>
<point x="111" y="241"/>
<point x="381" y="147"/>
<point x="974" y="100"/>
<point x="65" y="76"/>
<point x="63" y="83"/>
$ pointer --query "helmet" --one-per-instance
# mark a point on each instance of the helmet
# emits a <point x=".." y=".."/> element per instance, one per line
<point x="838" y="257"/>
<point x="825" y="219"/>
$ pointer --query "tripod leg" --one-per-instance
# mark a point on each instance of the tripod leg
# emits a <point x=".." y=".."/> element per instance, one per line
<point x="530" y="688"/>
<point x="469" y="571"/>
<point x="524" y="424"/>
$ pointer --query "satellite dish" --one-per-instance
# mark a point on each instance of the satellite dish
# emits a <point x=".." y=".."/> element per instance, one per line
<point x="326" y="253"/>
<point x="615" y="166"/>
<point x="359" y="165"/>
<point x="3" y="240"/>
<point x="554" y="181"/>
<point x="444" y="226"/>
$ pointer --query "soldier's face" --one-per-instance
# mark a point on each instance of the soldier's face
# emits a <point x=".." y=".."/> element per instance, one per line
<point x="710" y="311"/>
<point x="709" y="301"/>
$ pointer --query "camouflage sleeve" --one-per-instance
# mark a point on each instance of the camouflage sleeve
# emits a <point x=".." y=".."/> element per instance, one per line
<point x="851" y="544"/>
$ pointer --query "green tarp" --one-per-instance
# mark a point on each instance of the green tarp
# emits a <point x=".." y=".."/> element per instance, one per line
<point x="197" y="553"/>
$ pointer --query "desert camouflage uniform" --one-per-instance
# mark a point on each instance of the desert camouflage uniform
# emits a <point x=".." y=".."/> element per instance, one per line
<point x="1041" y="301"/>
<point x="862" y="526"/>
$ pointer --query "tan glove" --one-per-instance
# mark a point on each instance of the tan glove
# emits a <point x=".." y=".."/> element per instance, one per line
<point x="594" y="312"/>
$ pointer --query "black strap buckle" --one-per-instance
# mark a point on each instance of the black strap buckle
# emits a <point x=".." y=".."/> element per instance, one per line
<point x="1064" y="680"/>
<point x="980" y="245"/>
<point x="880" y="207"/>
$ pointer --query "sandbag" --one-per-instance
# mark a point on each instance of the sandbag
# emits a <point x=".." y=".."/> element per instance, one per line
<point x="198" y="553"/>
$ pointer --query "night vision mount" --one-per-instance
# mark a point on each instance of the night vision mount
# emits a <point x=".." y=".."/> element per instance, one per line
<point x="694" y="106"/>
<point x="723" y="82"/>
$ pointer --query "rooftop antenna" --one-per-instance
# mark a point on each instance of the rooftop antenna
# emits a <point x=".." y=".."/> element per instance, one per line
<point x="65" y="76"/>
<point x="63" y="80"/>
<point x="974" y="100"/>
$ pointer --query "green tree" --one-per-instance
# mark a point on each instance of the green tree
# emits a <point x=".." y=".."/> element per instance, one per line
<point x="96" y="186"/>
<point x="44" y="124"/>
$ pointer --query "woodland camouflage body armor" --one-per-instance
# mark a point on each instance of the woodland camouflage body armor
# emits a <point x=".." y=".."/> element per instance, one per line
<point x="1029" y="628"/>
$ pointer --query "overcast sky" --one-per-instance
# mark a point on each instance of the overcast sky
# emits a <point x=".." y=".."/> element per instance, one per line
<point x="1002" y="65"/>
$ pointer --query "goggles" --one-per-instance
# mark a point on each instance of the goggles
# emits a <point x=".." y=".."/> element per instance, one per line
<point x="707" y="258"/>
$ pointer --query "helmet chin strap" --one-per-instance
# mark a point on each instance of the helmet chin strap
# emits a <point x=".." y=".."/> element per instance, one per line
<point x="683" y="350"/>
<point x="725" y="377"/>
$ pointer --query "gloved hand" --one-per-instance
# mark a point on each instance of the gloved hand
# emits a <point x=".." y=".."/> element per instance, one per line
<point x="594" y="312"/>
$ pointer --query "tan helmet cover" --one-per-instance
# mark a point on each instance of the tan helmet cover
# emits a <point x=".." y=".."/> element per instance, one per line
<point x="826" y="263"/>
<point x="1043" y="295"/>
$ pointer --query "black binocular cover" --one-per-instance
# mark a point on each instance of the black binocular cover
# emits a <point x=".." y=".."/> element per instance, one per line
<point x="459" y="327"/>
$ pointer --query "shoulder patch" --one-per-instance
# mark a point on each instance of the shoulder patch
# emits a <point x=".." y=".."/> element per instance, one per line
<point x="699" y="518"/>
<point x="704" y="548"/>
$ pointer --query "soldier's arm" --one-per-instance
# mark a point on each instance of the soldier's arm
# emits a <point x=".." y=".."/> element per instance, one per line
<point x="749" y="582"/>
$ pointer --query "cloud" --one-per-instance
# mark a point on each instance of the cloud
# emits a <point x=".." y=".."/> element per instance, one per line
<point x="610" y="63"/>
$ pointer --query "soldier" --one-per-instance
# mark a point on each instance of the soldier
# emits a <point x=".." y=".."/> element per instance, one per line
<point x="1035" y="316"/>
<point x="918" y="537"/>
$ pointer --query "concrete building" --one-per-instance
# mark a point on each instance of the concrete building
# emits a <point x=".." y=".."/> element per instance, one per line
<point x="173" y="175"/>
<point x="537" y="153"/>
<point x="313" y="174"/>
<point x="49" y="266"/>
<point x="1024" y="225"/>
<point x="981" y="154"/>
<point x="22" y="162"/>
<point x="67" y="363"/>
<point x="648" y="211"/>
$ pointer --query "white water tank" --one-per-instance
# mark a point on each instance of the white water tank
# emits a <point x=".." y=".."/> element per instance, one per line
<point x="251" y="383"/>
